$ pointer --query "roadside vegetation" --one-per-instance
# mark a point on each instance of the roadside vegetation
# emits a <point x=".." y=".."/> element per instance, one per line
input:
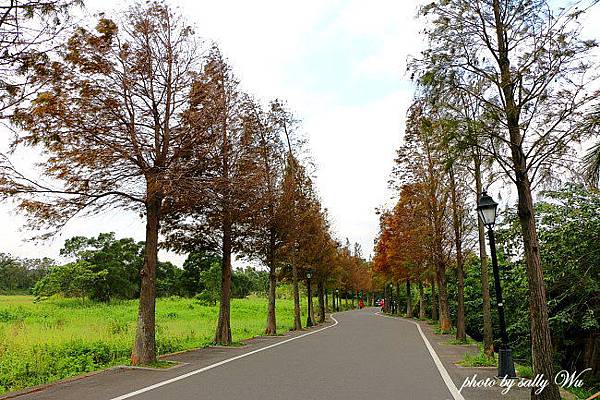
<point x="498" y="110"/>
<point x="135" y="112"/>
<point x="62" y="337"/>
<point x="63" y="319"/>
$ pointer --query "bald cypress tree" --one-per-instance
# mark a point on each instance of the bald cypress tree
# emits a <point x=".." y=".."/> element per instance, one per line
<point x="536" y="64"/>
<point x="110" y="125"/>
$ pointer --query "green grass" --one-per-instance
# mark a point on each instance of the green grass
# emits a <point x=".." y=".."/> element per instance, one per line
<point x="581" y="393"/>
<point x="161" y="364"/>
<point x="479" y="359"/>
<point x="457" y="342"/>
<point x="524" y="371"/>
<point x="58" y="338"/>
<point x="439" y="331"/>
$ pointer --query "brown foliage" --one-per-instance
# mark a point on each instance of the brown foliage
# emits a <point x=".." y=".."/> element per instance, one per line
<point x="112" y="125"/>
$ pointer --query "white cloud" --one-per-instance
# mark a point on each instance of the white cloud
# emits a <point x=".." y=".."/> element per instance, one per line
<point x="340" y="64"/>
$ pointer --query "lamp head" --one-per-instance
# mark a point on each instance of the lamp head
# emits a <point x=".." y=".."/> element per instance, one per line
<point x="486" y="208"/>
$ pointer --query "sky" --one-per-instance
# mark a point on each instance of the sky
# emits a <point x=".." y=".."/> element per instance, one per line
<point x="340" y="65"/>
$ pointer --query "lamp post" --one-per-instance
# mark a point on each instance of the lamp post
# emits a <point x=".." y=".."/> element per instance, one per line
<point x="337" y="303"/>
<point x="486" y="208"/>
<point x="309" y="320"/>
<point x="391" y="307"/>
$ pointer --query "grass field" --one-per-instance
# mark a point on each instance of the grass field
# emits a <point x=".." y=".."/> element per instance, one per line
<point x="54" y="339"/>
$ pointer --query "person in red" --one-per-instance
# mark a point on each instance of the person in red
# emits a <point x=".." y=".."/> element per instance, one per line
<point x="382" y="304"/>
<point x="361" y="304"/>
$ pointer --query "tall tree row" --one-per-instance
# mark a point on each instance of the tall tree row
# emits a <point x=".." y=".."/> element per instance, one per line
<point x="109" y="123"/>
<point x="535" y="65"/>
<point x="134" y="113"/>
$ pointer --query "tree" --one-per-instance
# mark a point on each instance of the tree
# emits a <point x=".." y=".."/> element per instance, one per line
<point x="266" y="239"/>
<point x="381" y="260"/>
<point x="76" y="279"/>
<point x="168" y="279"/>
<point x="532" y="56"/>
<point x="122" y="259"/>
<point x="296" y="194"/>
<point x="463" y="119"/>
<point x="20" y="275"/>
<point x="421" y="160"/>
<point x="568" y="226"/>
<point x="29" y="31"/>
<point x="211" y="281"/>
<point x="113" y="127"/>
<point x="219" y="215"/>
<point x="297" y="202"/>
<point x="314" y="251"/>
<point x="249" y="280"/>
<point x="405" y="239"/>
<point x="592" y="165"/>
<point x="193" y="266"/>
<point x="591" y="161"/>
<point x="458" y="216"/>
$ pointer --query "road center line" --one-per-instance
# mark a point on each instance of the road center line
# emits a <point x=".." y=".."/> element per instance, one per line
<point x="441" y="369"/>
<point x="197" y="371"/>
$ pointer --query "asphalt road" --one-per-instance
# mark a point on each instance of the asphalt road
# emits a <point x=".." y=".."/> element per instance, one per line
<point x="364" y="356"/>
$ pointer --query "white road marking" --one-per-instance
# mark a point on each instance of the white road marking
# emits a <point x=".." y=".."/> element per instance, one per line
<point x="197" y="371"/>
<point x="441" y="369"/>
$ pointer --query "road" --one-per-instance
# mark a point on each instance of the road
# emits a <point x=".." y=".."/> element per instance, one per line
<point x="362" y="356"/>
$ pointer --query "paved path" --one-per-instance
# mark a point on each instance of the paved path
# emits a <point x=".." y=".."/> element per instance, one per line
<point x="364" y="356"/>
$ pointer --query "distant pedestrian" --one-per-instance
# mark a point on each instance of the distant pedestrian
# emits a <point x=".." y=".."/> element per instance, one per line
<point x="361" y="304"/>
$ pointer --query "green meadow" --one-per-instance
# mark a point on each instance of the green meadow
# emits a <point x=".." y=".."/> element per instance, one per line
<point x="58" y="338"/>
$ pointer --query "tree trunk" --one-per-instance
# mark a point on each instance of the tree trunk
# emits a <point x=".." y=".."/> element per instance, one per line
<point x="488" y="338"/>
<point x="144" y="348"/>
<point x="322" y="300"/>
<point x="271" y="318"/>
<point x="333" y="308"/>
<point x="439" y="303"/>
<point x="408" y="300"/>
<point x="421" y="301"/>
<point x="434" y="302"/>
<point x="445" y="323"/>
<point x="541" y="341"/>
<point x="461" y="333"/>
<point x="326" y="300"/>
<point x="297" y="317"/>
<point x="386" y="302"/>
<point x="223" y="333"/>
<point x="460" y="276"/>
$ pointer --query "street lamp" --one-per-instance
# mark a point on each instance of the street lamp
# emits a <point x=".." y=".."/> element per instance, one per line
<point x="337" y="302"/>
<point x="486" y="208"/>
<point x="309" y="321"/>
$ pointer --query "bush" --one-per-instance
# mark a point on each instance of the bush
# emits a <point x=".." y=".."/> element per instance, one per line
<point x="70" y="280"/>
